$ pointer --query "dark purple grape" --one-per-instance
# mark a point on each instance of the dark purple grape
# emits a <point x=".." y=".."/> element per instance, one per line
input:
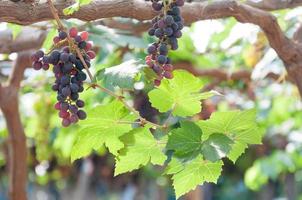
<point x="169" y="20"/>
<point x="161" y="24"/>
<point x="65" y="80"/>
<point x="180" y="25"/>
<point x="55" y="87"/>
<point x="40" y="54"/>
<point x="81" y="114"/>
<point x="74" y="96"/>
<point x="163" y="49"/>
<point x="66" y="91"/>
<point x="168" y="75"/>
<point x="151" y="31"/>
<point x="161" y="59"/>
<point x="81" y="76"/>
<point x="168" y="31"/>
<point x="45" y="66"/>
<point x="45" y="59"/>
<point x="37" y="65"/>
<point x="82" y="45"/>
<point x="79" y="65"/>
<point x="66" y="49"/>
<point x="61" y="98"/>
<point x="74" y="87"/>
<point x="159" y="33"/>
<point x="157" y="69"/>
<point x="67" y="67"/>
<point x="157" y="6"/>
<point x="64" y="57"/>
<point x="174" y="26"/>
<point x="80" y="103"/>
<point x="81" y="88"/>
<point x="72" y="58"/>
<point x="62" y="35"/>
<point x="177" y="34"/>
<point x="78" y="39"/>
<point x="151" y="49"/>
<point x="175" y="11"/>
<point x="73" y="108"/>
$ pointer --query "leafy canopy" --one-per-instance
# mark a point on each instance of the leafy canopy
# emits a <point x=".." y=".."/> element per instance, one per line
<point x="191" y="152"/>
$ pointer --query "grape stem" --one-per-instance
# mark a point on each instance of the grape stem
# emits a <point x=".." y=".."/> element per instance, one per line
<point x="61" y="27"/>
<point x="142" y="120"/>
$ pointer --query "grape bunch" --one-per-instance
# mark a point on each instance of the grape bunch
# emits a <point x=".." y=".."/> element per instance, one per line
<point x="68" y="71"/>
<point x="167" y="28"/>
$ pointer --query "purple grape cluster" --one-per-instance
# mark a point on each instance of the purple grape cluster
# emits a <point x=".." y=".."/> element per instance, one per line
<point x="167" y="28"/>
<point x="68" y="71"/>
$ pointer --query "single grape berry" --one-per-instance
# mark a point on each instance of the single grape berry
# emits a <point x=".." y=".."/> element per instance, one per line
<point x="64" y="57"/>
<point x="65" y="122"/>
<point x="162" y="59"/>
<point x="80" y="103"/>
<point x="40" y="54"/>
<point x="91" y="54"/>
<point x="157" y="6"/>
<point x="62" y="35"/>
<point x="78" y="39"/>
<point x="73" y="32"/>
<point x="37" y="65"/>
<point x="151" y="49"/>
<point x="81" y="114"/>
<point x="84" y="35"/>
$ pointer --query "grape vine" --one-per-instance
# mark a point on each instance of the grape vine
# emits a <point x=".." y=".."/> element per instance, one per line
<point x="167" y="28"/>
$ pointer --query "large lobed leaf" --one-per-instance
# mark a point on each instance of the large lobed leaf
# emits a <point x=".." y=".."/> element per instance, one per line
<point x="103" y="126"/>
<point x="181" y="94"/>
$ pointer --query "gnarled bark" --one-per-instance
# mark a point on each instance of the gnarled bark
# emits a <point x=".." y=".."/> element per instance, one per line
<point x="16" y="140"/>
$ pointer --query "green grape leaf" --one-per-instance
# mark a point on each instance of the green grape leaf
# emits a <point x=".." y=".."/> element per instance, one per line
<point x="174" y="166"/>
<point x="186" y="140"/>
<point x="216" y="147"/>
<point x="196" y="172"/>
<point x="238" y="149"/>
<point x="181" y="94"/>
<point x="104" y="125"/>
<point x="122" y="75"/>
<point x="239" y="126"/>
<point x="141" y="148"/>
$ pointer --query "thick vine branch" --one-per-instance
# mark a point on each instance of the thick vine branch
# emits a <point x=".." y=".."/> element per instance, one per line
<point x="23" y="13"/>
<point x="274" y="4"/>
<point x="16" y="140"/>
